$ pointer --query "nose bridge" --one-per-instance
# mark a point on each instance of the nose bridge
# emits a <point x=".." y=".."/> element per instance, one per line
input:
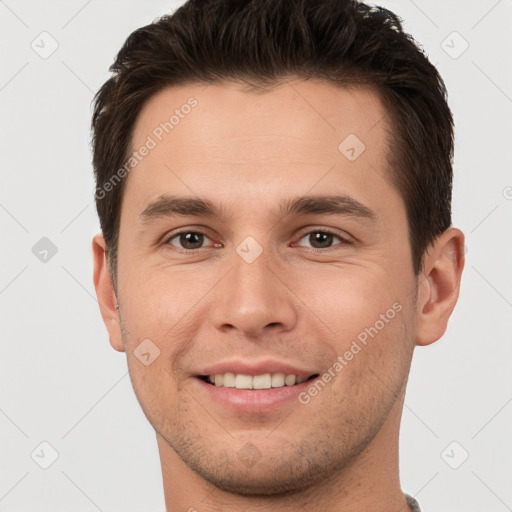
<point x="253" y="280"/>
<point x="251" y="297"/>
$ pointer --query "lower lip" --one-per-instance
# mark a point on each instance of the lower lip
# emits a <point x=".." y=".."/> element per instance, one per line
<point x="253" y="400"/>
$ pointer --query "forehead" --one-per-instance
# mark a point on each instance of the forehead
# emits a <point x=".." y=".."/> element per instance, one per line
<point x="219" y="137"/>
<point x="311" y="110"/>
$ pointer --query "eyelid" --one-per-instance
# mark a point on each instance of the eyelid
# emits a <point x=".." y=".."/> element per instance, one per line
<point x="174" y="234"/>
<point x="344" y="237"/>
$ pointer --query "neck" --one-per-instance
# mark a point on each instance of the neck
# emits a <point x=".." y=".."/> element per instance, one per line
<point x="369" y="482"/>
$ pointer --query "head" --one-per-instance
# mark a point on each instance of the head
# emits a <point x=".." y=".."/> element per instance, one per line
<point x="265" y="123"/>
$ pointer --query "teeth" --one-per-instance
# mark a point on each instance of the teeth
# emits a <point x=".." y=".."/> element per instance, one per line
<point x="264" y="381"/>
<point x="289" y="380"/>
<point x="229" y="380"/>
<point x="278" y="380"/>
<point x="243" y="381"/>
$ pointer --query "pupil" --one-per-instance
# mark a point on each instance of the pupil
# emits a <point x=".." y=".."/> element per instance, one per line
<point x="324" y="239"/>
<point x="191" y="240"/>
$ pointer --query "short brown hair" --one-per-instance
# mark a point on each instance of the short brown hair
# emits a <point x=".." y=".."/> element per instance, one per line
<point x="259" y="42"/>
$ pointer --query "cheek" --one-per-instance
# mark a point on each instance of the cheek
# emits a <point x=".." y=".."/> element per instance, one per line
<point x="156" y="301"/>
<point x="154" y="338"/>
<point x="351" y="298"/>
<point x="368" y="317"/>
<point x="373" y="361"/>
<point x="160" y="317"/>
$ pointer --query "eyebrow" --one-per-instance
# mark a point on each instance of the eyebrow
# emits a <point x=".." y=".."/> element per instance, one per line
<point x="169" y="206"/>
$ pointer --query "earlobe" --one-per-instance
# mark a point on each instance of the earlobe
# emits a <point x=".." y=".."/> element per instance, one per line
<point x="105" y="292"/>
<point x="439" y="290"/>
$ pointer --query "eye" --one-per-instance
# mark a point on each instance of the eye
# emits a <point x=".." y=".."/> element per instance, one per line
<point x="321" y="239"/>
<point x="188" y="240"/>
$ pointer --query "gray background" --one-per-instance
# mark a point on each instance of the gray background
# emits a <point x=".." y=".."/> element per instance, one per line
<point x="62" y="383"/>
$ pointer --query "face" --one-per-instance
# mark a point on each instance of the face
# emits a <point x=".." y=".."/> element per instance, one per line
<point x="261" y="240"/>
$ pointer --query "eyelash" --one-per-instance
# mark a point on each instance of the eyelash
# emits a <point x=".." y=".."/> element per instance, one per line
<point x="344" y="241"/>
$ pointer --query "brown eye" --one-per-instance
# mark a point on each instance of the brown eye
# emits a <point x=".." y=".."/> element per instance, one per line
<point x="322" y="239"/>
<point x="189" y="240"/>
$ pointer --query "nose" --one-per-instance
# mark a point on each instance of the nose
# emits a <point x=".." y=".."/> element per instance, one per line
<point x="253" y="300"/>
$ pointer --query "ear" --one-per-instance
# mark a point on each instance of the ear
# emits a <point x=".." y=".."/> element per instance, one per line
<point x="107" y="299"/>
<point x="438" y="290"/>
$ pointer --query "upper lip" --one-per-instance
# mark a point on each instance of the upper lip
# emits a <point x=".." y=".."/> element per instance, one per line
<point x="253" y="368"/>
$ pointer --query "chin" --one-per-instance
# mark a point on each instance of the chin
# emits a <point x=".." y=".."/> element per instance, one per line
<point x="263" y="482"/>
<point x="283" y="470"/>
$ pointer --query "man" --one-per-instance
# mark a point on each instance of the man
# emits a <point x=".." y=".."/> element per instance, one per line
<point x="274" y="188"/>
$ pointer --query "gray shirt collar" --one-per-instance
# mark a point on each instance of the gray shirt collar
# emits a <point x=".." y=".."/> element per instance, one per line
<point x="413" y="504"/>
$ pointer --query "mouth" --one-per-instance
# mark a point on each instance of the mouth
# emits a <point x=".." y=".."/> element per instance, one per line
<point x="263" y="381"/>
<point x="255" y="387"/>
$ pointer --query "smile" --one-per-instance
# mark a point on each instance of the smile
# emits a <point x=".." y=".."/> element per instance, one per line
<point x="263" y="381"/>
